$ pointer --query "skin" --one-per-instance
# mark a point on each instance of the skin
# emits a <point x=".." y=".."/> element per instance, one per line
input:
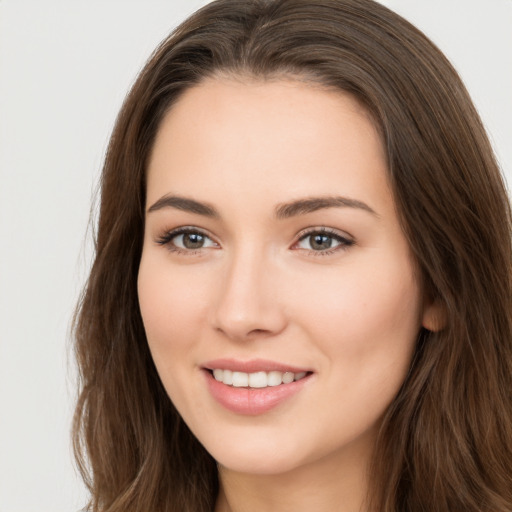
<point x="259" y="288"/>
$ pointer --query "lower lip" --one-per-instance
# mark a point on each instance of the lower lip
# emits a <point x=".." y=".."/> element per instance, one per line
<point x="252" y="401"/>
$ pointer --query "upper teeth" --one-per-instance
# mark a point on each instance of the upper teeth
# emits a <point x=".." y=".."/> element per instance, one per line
<point x="257" y="379"/>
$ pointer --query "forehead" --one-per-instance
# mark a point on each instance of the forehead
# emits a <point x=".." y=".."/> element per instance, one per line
<point x="274" y="101"/>
<point x="281" y="135"/>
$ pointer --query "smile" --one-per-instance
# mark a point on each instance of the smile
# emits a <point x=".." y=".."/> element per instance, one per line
<point x="259" y="379"/>
<point x="254" y="387"/>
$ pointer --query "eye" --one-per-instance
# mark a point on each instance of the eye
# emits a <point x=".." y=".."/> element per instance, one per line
<point x="323" y="241"/>
<point x="186" y="239"/>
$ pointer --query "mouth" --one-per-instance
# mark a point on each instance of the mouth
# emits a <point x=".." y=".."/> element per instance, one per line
<point x="254" y="387"/>
<point x="256" y="380"/>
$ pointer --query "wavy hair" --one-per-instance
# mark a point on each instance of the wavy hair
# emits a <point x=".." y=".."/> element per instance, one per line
<point x="446" y="440"/>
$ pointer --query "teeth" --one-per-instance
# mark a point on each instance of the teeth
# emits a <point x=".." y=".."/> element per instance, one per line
<point x="257" y="379"/>
<point x="288" y="377"/>
<point x="274" y="378"/>
<point x="240" y="379"/>
<point x="227" y="377"/>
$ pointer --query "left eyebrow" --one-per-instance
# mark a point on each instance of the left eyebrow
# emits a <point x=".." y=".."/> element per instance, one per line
<point x="312" y="204"/>
<point x="186" y="204"/>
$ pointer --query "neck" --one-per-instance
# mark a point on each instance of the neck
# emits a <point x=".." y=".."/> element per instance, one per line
<point x="334" y="482"/>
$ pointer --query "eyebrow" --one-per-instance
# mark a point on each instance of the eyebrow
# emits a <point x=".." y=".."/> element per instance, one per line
<point x="186" y="204"/>
<point x="282" y="211"/>
<point x="312" y="204"/>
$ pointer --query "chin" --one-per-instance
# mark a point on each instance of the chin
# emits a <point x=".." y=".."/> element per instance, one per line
<point x="260" y="450"/>
<point x="254" y="451"/>
<point x="259" y="463"/>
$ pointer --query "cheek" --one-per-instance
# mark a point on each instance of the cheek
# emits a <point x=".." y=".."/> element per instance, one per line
<point x="366" y="319"/>
<point x="170" y="305"/>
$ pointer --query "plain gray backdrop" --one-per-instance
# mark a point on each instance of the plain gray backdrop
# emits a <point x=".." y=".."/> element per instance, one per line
<point x="65" y="67"/>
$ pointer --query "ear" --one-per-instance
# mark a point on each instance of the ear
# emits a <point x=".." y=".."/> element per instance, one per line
<point x="434" y="316"/>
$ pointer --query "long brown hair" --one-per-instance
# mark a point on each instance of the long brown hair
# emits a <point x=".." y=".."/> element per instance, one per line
<point x="446" y="440"/>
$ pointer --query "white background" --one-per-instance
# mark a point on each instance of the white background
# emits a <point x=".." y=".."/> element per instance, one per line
<point x="64" y="69"/>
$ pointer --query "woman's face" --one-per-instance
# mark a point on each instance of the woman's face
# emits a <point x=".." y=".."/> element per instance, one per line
<point x="273" y="258"/>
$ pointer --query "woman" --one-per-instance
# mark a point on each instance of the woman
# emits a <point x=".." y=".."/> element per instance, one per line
<point x="301" y="291"/>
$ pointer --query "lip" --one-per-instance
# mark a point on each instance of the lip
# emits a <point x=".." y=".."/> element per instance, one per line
<point x="252" y="401"/>
<point x="252" y="366"/>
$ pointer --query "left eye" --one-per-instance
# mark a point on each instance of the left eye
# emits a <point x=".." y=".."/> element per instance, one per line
<point x="191" y="241"/>
<point x="321" y="241"/>
<point x="187" y="240"/>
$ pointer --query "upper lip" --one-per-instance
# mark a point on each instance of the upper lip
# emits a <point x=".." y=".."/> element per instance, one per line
<point x="252" y="366"/>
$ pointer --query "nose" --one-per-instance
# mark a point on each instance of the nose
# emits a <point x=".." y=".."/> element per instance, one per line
<point x="247" y="304"/>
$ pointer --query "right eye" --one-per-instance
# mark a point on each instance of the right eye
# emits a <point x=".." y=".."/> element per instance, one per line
<point x="186" y="240"/>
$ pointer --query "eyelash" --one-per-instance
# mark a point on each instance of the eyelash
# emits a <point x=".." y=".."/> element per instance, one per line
<point x="167" y="238"/>
<point x="344" y="242"/>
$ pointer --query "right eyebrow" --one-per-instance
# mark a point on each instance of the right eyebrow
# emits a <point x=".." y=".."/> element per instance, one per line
<point x="312" y="204"/>
<point x="185" y="204"/>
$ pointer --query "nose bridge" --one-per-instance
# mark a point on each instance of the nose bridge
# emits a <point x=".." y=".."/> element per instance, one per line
<point x="247" y="303"/>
